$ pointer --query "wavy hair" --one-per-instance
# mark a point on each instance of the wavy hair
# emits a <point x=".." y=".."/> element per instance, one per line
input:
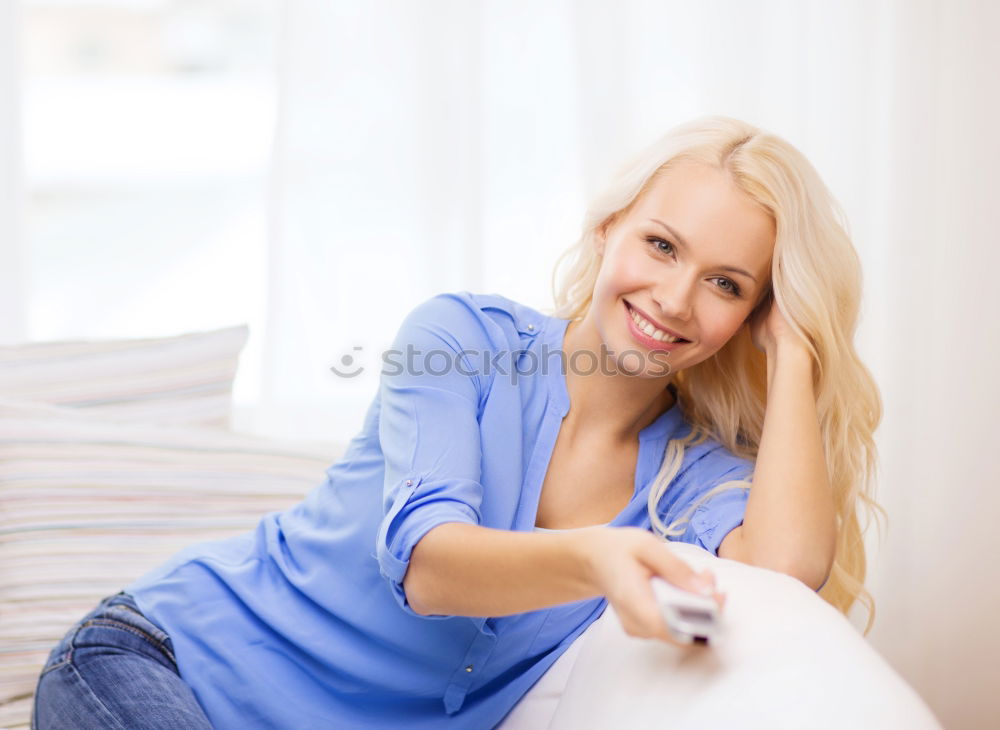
<point x="815" y="282"/>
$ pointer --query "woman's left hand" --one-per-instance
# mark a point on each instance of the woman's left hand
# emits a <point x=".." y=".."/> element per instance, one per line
<point x="768" y="327"/>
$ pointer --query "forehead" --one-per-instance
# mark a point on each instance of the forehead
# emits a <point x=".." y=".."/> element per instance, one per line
<point x="716" y="219"/>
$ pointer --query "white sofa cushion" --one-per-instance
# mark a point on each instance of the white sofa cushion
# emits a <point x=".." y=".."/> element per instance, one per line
<point x="183" y="379"/>
<point x="785" y="659"/>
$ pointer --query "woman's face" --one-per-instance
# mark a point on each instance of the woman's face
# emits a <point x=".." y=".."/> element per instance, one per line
<point x="691" y="256"/>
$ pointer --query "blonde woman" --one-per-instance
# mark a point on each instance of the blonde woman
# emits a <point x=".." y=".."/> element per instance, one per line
<point x="517" y="472"/>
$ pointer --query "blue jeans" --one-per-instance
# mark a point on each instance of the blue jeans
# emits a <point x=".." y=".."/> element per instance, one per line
<point x="115" y="670"/>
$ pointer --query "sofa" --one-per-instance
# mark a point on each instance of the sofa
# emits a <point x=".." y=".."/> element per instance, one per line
<point x="115" y="454"/>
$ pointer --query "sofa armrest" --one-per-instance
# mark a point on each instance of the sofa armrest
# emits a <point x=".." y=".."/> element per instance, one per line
<point x="784" y="659"/>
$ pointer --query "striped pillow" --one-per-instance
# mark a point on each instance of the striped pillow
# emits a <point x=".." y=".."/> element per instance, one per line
<point x="182" y="379"/>
<point x="87" y="505"/>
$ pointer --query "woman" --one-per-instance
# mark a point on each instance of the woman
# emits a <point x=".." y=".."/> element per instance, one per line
<point x="517" y="471"/>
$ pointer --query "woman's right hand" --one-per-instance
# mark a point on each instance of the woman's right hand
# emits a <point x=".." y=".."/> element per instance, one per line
<point x="620" y="562"/>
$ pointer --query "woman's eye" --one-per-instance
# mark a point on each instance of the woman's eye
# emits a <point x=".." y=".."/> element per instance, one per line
<point x="660" y="245"/>
<point x="665" y="247"/>
<point x="730" y="286"/>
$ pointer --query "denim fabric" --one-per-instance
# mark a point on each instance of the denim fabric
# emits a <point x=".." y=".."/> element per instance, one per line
<point x="114" y="670"/>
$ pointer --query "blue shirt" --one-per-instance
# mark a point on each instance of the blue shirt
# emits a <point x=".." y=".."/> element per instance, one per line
<point x="303" y="622"/>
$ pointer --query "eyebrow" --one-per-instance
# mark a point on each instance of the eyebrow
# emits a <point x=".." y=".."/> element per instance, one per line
<point x="683" y="243"/>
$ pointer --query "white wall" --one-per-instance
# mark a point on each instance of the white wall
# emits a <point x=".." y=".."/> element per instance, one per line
<point x="935" y="576"/>
<point x="11" y="175"/>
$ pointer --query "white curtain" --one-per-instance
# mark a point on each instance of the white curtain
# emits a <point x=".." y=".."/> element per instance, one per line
<point x="440" y="145"/>
<point x="12" y="272"/>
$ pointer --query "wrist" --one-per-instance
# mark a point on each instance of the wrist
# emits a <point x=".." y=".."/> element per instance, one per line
<point x="788" y="349"/>
<point x="582" y="546"/>
<point x="790" y="354"/>
<point x="789" y="357"/>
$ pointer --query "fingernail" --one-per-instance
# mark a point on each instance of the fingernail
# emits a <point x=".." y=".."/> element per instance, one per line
<point x="704" y="586"/>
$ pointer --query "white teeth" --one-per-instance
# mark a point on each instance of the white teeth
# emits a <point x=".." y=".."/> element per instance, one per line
<point x="650" y="330"/>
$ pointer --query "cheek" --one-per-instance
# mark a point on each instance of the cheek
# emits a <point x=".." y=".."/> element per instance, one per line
<point x="631" y="267"/>
<point x="619" y="275"/>
<point x="723" y="327"/>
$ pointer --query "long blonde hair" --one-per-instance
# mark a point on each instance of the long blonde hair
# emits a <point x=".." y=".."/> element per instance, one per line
<point x="816" y="283"/>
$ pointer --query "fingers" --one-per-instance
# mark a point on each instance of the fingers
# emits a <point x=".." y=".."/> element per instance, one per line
<point x="671" y="568"/>
<point x="640" y="616"/>
<point x="680" y="573"/>
<point x="626" y="583"/>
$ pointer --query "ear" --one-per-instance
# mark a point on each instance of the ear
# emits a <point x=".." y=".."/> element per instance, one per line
<point x="600" y="240"/>
<point x="601" y="237"/>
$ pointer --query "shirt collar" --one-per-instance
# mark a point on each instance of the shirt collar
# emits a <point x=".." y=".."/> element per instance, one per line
<point x="666" y="425"/>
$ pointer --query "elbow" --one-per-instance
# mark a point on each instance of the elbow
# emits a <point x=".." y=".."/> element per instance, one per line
<point x="416" y="585"/>
<point x="426" y="582"/>
<point x="809" y="575"/>
<point x="807" y="562"/>
<point x="814" y="578"/>
<point x="812" y="574"/>
<point x="414" y="598"/>
<point x="820" y="574"/>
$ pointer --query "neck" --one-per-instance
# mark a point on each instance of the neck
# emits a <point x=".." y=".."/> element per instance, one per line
<point x="605" y="404"/>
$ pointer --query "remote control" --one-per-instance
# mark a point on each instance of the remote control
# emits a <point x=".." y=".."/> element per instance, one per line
<point x="690" y="618"/>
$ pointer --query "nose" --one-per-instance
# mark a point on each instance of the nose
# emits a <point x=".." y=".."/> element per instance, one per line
<point x="675" y="297"/>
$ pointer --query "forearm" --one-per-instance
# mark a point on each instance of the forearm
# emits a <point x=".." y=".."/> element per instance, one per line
<point x="790" y="522"/>
<point x="466" y="570"/>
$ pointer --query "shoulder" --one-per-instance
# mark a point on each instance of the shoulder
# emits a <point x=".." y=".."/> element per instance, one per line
<point x="521" y="318"/>
<point x="465" y="319"/>
<point x="711" y="460"/>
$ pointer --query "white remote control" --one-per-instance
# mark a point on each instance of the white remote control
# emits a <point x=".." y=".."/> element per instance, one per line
<point x="691" y="619"/>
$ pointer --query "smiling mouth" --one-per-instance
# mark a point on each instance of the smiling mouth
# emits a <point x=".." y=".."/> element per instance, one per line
<point x="650" y="330"/>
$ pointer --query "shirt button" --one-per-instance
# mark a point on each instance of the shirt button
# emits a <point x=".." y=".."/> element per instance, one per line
<point x="531" y="327"/>
<point x="409" y="482"/>
<point x="468" y="668"/>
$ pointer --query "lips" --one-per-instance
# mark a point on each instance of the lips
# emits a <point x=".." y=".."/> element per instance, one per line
<point x="656" y="324"/>
<point x="646" y="341"/>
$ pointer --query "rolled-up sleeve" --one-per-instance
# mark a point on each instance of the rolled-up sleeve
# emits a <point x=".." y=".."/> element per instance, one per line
<point x="723" y="512"/>
<point x="429" y="396"/>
